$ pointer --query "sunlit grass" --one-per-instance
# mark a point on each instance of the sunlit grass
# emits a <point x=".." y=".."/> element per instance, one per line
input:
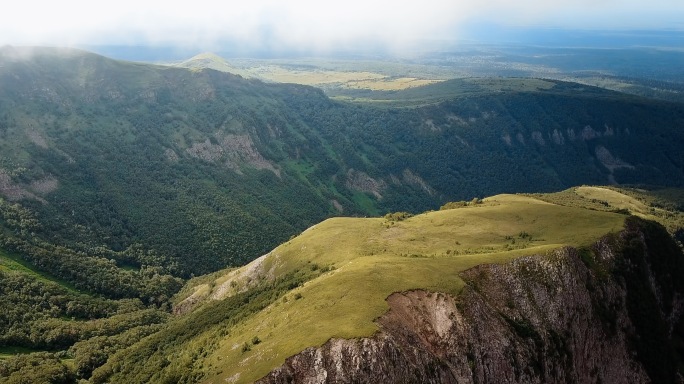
<point x="614" y="198"/>
<point x="372" y="258"/>
<point x="659" y="205"/>
<point x="342" y="79"/>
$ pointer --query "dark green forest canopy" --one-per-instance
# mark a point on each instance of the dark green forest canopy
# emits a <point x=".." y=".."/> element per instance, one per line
<point x="191" y="171"/>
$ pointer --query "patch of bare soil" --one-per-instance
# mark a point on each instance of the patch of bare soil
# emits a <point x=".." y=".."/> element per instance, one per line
<point x="233" y="151"/>
<point x="13" y="191"/>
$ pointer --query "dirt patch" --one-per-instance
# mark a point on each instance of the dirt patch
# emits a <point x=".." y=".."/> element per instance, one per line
<point x="456" y="119"/>
<point x="230" y="284"/>
<point x="438" y="314"/>
<point x="609" y="161"/>
<point x="232" y="151"/>
<point x="430" y="124"/>
<point x="240" y="280"/>
<point x="337" y="206"/>
<point x="411" y="178"/>
<point x="13" y="191"/>
<point x="538" y="138"/>
<point x="557" y="137"/>
<point x="171" y="155"/>
<point x="360" y="181"/>
<point x="589" y="133"/>
<point x="45" y="185"/>
<point x="36" y="138"/>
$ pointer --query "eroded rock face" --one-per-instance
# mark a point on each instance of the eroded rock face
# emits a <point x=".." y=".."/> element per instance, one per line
<point x="572" y="316"/>
<point x="232" y="151"/>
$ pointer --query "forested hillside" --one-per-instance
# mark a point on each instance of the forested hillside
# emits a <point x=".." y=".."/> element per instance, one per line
<point x="190" y="171"/>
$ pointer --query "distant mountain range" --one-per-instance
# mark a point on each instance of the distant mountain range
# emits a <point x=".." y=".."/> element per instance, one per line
<point x="474" y="35"/>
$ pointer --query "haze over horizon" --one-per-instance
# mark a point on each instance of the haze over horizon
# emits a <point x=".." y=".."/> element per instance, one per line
<point x="314" y="26"/>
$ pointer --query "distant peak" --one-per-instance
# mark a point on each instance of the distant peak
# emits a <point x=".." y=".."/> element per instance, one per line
<point x="205" y="60"/>
<point x="207" y="56"/>
<point x="210" y="60"/>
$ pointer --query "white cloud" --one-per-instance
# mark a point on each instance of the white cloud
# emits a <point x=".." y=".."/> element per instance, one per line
<point x="311" y="24"/>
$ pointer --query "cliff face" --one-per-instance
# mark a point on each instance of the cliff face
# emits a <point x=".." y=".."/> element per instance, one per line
<point x="609" y="314"/>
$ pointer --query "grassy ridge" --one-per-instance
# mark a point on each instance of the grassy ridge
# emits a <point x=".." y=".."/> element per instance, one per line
<point x="332" y="281"/>
<point x="359" y="262"/>
<point x="665" y="206"/>
<point x="438" y="92"/>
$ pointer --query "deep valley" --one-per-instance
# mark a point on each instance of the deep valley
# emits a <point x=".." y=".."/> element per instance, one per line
<point x="181" y="224"/>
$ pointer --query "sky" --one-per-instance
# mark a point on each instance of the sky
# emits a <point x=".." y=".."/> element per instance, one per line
<point x="313" y="25"/>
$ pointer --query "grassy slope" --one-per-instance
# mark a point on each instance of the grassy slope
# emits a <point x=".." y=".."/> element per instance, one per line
<point x="380" y="76"/>
<point x="578" y="65"/>
<point x="613" y="198"/>
<point x="211" y="61"/>
<point x="374" y="258"/>
<point x="445" y="90"/>
<point x="661" y="205"/>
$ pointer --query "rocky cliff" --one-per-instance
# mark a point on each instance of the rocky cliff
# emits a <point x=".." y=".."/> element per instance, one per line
<point x="606" y="314"/>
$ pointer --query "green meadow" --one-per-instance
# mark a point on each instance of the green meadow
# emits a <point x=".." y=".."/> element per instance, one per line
<point x="367" y="259"/>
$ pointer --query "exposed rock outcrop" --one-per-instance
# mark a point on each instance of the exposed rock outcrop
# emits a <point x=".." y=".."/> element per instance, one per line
<point x="229" y="284"/>
<point x="360" y="181"/>
<point x="233" y="151"/>
<point x="17" y="191"/>
<point x="607" y="314"/>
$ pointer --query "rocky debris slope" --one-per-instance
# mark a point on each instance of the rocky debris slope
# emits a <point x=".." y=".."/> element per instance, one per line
<point x="609" y="314"/>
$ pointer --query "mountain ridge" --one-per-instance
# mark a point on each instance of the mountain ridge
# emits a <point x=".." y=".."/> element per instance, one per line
<point x="209" y="60"/>
<point x="547" y="315"/>
<point x="312" y="316"/>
